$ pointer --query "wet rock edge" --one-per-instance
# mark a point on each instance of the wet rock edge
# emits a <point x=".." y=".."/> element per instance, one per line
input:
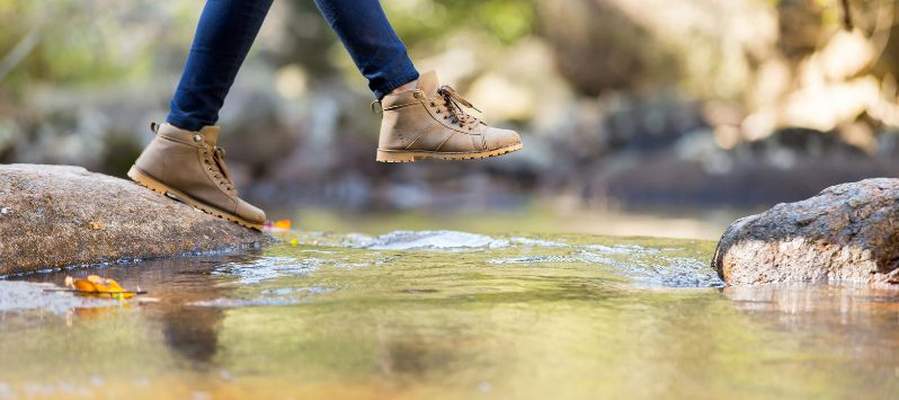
<point x="847" y="233"/>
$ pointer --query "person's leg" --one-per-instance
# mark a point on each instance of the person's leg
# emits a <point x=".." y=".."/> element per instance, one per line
<point x="183" y="161"/>
<point x="224" y="35"/>
<point x="375" y="48"/>
<point x="426" y="121"/>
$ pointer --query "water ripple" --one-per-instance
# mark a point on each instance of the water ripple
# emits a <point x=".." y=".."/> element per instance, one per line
<point x="269" y="297"/>
<point x="673" y="272"/>
<point x="424" y="240"/>
<point x="266" y="268"/>
<point x="532" y="260"/>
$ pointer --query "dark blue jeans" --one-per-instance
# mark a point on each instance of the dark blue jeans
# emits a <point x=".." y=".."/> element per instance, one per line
<point x="227" y="29"/>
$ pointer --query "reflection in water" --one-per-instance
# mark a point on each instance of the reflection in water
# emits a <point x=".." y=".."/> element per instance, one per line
<point x="847" y="301"/>
<point x="189" y="332"/>
<point x="858" y="316"/>
<point x="838" y="310"/>
<point x="449" y="315"/>
<point x="411" y="357"/>
<point x="855" y="324"/>
<point x="192" y="333"/>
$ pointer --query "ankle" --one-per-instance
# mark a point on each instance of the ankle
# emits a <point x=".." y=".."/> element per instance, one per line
<point x="408" y="87"/>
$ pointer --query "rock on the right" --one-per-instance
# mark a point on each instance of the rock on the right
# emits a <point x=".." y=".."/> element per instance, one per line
<point x="847" y="233"/>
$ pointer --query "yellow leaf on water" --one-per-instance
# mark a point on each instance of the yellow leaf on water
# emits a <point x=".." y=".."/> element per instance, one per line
<point x="83" y="285"/>
<point x="98" y="286"/>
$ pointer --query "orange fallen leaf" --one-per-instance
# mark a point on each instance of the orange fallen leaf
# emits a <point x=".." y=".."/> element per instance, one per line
<point x="81" y="285"/>
<point x="95" y="285"/>
<point x="282" y="224"/>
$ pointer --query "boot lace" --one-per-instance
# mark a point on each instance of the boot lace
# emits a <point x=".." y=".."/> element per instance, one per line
<point x="214" y="160"/>
<point x="218" y="168"/>
<point x="454" y="104"/>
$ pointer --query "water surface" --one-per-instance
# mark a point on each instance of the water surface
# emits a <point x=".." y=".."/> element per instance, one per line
<point x="438" y="314"/>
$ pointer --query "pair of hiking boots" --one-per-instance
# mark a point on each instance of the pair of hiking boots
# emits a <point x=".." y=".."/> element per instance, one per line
<point x="428" y="122"/>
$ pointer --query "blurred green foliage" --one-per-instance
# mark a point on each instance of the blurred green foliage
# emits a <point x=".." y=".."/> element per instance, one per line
<point x="102" y="41"/>
<point x="86" y="41"/>
<point x="420" y="22"/>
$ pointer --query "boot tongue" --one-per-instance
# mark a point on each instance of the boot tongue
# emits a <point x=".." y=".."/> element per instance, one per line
<point x="210" y="134"/>
<point x="428" y="83"/>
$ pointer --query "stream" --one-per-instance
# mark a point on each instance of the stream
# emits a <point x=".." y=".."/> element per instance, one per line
<point x="449" y="315"/>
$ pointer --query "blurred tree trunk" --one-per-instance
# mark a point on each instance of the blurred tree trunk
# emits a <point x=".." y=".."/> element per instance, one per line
<point x="600" y="48"/>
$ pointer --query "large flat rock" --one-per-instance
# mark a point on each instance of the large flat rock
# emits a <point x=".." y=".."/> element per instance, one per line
<point x="847" y="233"/>
<point x="56" y="216"/>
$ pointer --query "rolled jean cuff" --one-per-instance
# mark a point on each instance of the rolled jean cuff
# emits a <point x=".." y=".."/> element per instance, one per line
<point x="405" y="75"/>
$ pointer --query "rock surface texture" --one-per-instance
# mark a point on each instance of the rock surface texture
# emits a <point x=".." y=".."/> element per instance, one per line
<point x="848" y="233"/>
<point x="56" y="216"/>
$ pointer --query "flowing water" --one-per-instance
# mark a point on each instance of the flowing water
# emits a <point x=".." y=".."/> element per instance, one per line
<point x="442" y="314"/>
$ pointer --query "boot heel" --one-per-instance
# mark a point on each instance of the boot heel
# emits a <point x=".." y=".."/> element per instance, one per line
<point x="394" y="157"/>
<point x="137" y="176"/>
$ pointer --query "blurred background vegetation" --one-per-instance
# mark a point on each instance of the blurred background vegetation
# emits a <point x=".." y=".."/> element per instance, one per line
<point x="624" y="104"/>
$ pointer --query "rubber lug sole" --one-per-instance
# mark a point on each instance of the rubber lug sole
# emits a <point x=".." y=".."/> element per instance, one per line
<point x="405" y="156"/>
<point x="148" y="182"/>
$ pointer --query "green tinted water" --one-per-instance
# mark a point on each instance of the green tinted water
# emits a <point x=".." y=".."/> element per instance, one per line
<point x="448" y="315"/>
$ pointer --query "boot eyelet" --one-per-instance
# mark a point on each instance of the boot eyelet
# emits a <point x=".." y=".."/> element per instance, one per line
<point x="198" y="138"/>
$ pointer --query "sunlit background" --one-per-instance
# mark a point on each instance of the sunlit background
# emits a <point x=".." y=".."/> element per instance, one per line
<point x="640" y="117"/>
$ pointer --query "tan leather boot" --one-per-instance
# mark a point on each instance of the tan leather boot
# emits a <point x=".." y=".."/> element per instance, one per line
<point x="190" y="167"/>
<point x="430" y="122"/>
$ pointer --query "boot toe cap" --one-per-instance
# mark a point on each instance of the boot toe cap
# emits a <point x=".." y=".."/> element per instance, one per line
<point x="502" y="138"/>
<point x="250" y="212"/>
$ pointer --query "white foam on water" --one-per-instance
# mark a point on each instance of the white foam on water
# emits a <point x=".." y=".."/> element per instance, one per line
<point x="594" y="258"/>
<point x="425" y="240"/>
<point x="644" y="267"/>
<point x="682" y="272"/>
<point x="532" y="260"/>
<point x="621" y="249"/>
<point x="537" y="242"/>
<point x="659" y="271"/>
